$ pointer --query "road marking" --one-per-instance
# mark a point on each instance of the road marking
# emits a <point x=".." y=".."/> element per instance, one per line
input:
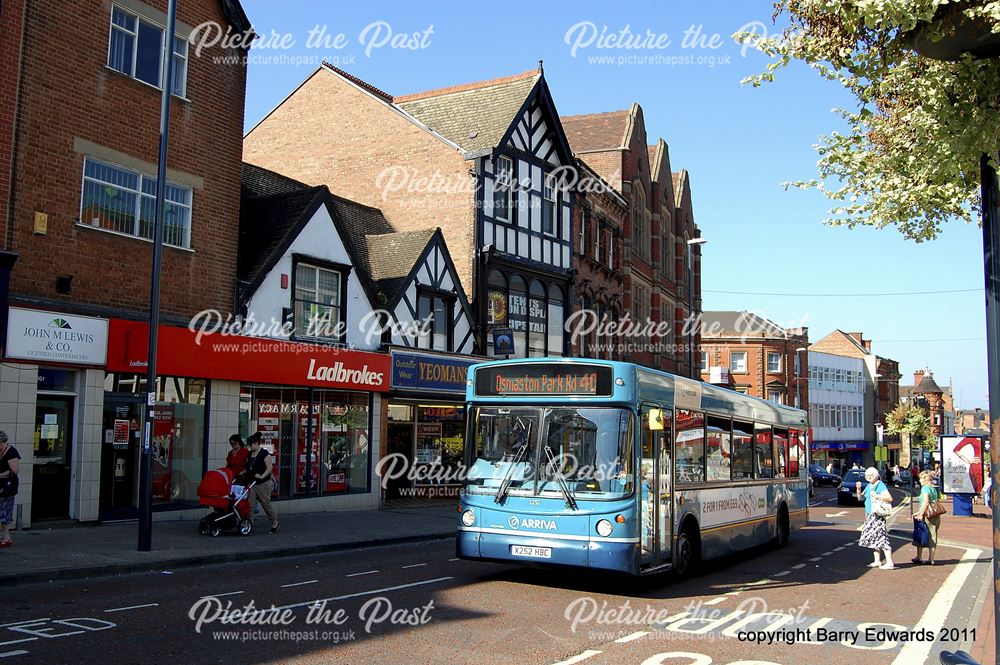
<point x="633" y="636"/>
<point x="937" y="610"/>
<point x="851" y="543"/>
<point x="577" y="658"/>
<point x="733" y="593"/>
<point x="826" y="553"/>
<point x="18" y="623"/>
<point x="26" y="639"/>
<point x="220" y="595"/>
<point x="455" y="559"/>
<point x="13" y="653"/>
<point x="798" y="565"/>
<point x="415" y="565"/>
<point x="840" y="514"/>
<point x="285" y="586"/>
<point x="714" y="601"/>
<point x="782" y="573"/>
<point x="816" y="558"/>
<point x="367" y="572"/>
<point x="838" y="549"/>
<point x="131" y="607"/>
<point x="319" y="601"/>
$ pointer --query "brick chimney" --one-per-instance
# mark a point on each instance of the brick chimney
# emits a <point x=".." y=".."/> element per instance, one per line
<point x="860" y="339"/>
<point x="918" y="377"/>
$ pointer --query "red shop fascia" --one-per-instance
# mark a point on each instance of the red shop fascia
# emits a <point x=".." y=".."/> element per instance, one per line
<point x="180" y="352"/>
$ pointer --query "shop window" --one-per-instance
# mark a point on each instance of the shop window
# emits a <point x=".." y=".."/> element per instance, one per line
<point x="435" y="310"/>
<point x="319" y="438"/>
<point x="317" y="303"/>
<point x="555" y="325"/>
<point x="534" y="314"/>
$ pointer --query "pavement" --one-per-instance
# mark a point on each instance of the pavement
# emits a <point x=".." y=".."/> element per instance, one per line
<point x="44" y="554"/>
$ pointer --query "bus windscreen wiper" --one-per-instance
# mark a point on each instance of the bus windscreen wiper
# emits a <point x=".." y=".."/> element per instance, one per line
<point x="507" y="479"/>
<point x="550" y="460"/>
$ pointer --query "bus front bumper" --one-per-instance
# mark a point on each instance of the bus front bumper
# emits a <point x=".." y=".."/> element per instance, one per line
<point x="619" y="555"/>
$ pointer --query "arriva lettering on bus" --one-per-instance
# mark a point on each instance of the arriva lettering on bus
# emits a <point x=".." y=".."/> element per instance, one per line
<point x="340" y="374"/>
<point x="526" y="523"/>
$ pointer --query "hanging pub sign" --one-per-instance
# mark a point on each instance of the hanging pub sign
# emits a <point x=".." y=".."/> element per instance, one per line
<point x="503" y="342"/>
<point x="497" y="307"/>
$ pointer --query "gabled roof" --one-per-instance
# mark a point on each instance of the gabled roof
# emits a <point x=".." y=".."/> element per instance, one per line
<point x="273" y="211"/>
<point x="597" y="132"/>
<point x="680" y="181"/>
<point x="393" y="258"/>
<point x="739" y="324"/>
<point x="475" y="116"/>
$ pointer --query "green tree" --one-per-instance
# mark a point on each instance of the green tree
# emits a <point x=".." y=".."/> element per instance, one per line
<point x="912" y="420"/>
<point x="910" y="157"/>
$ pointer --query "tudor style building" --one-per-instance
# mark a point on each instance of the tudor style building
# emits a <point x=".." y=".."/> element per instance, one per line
<point x="499" y="149"/>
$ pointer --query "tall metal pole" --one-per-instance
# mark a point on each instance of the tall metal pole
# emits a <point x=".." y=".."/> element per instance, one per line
<point x="146" y="458"/>
<point x="991" y="265"/>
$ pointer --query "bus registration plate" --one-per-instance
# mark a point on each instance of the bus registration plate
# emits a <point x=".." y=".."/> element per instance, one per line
<point x="537" y="552"/>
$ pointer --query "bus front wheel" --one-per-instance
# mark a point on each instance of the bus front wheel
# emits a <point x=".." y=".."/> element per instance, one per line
<point x="688" y="551"/>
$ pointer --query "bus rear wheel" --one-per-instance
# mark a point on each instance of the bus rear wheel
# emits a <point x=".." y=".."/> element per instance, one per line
<point x="687" y="552"/>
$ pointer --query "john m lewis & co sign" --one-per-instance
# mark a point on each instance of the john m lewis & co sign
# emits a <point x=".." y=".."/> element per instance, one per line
<point x="55" y="337"/>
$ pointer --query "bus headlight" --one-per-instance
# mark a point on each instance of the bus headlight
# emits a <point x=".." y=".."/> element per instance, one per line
<point x="604" y="528"/>
<point x="468" y="518"/>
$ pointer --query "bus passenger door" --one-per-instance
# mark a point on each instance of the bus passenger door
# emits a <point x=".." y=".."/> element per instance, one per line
<point x="655" y="475"/>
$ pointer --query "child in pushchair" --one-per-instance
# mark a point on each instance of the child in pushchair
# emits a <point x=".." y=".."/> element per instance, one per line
<point x="229" y="504"/>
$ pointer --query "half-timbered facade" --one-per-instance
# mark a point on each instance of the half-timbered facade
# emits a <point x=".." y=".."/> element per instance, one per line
<point x="505" y="201"/>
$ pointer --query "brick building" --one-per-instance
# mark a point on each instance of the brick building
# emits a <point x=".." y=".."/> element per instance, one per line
<point x="661" y="270"/>
<point x="972" y="421"/>
<point x="931" y="397"/>
<point x="79" y="137"/>
<point x="599" y="222"/>
<point x="479" y="160"/>
<point x="763" y="359"/>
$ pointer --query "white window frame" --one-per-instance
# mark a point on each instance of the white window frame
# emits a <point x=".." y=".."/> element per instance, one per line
<point x="704" y="361"/>
<point x="774" y="396"/>
<point x="733" y="365"/>
<point x="506" y="187"/>
<point x="777" y="369"/>
<point x="550" y="203"/>
<point x="338" y="307"/>
<point x="139" y="196"/>
<point x="180" y="57"/>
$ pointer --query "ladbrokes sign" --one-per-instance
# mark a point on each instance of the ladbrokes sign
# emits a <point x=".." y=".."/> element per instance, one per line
<point x="250" y="359"/>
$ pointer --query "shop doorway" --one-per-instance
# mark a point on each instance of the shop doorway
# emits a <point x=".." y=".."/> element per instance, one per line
<point x="399" y="442"/>
<point x="123" y="418"/>
<point x="50" y="480"/>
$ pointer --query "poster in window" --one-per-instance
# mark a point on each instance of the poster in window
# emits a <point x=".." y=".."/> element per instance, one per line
<point x="164" y="481"/>
<point x="503" y="342"/>
<point x="304" y="458"/>
<point x="269" y="426"/>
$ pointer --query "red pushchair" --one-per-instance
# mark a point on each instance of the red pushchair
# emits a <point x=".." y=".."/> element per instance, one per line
<point x="229" y="504"/>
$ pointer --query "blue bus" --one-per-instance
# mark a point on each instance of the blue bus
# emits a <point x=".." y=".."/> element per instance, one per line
<point x="614" y="466"/>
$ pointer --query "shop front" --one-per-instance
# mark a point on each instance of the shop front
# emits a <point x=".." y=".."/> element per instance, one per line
<point x="52" y="371"/>
<point x="842" y="455"/>
<point x="314" y="405"/>
<point x="425" y="431"/>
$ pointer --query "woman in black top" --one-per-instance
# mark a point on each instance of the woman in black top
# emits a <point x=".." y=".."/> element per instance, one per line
<point x="10" y="462"/>
<point x="260" y="464"/>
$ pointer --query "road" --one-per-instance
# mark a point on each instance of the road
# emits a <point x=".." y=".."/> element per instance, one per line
<point x="418" y="604"/>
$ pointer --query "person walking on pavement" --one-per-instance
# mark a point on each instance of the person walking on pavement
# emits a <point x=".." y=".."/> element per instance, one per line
<point x="260" y="466"/>
<point x="10" y="462"/>
<point x="928" y="494"/>
<point x="236" y="459"/>
<point x="875" y="535"/>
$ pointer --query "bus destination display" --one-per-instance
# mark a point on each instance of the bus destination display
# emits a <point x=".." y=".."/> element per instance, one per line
<point x="547" y="379"/>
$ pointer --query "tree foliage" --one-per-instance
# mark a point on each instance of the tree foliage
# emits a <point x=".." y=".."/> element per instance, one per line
<point x="910" y="158"/>
<point x="912" y="420"/>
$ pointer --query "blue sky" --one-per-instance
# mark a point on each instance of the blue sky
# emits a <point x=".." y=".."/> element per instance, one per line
<point x="738" y="143"/>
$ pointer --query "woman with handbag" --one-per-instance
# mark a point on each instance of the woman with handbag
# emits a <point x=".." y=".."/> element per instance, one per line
<point x="930" y="512"/>
<point x="878" y="506"/>
<point x="10" y="461"/>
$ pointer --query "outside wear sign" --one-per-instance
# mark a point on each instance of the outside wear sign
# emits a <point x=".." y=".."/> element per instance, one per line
<point x="55" y="337"/>
<point x="239" y="358"/>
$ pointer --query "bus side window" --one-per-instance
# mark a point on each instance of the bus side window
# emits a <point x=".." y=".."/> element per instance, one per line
<point x="742" y="450"/>
<point x="764" y="456"/>
<point x="690" y="446"/>
<point x="718" y="440"/>
<point x="780" y="452"/>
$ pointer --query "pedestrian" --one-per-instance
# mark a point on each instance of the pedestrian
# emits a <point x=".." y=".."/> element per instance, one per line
<point x="236" y="459"/>
<point x="829" y="467"/>
<point x="10" y="463"/>
<point x="928" y="495"/>
<point x="260" y="467"/>
<point x="874" y="534"/>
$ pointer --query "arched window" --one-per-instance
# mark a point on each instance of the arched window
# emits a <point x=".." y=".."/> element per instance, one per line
<point x="497" y="306"/>
<point x="518" y="315"/>
<point x="536" y="320"/>
<point x="556" y="330"/>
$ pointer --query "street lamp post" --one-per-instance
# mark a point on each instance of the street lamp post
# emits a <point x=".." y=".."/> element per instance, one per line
<point x="690" y="265"/>
<point x="146" y="456"/>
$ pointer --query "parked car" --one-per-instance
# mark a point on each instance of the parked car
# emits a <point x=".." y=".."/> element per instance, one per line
<point x="821" y="477"/>
<point x="847" y="495"/>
